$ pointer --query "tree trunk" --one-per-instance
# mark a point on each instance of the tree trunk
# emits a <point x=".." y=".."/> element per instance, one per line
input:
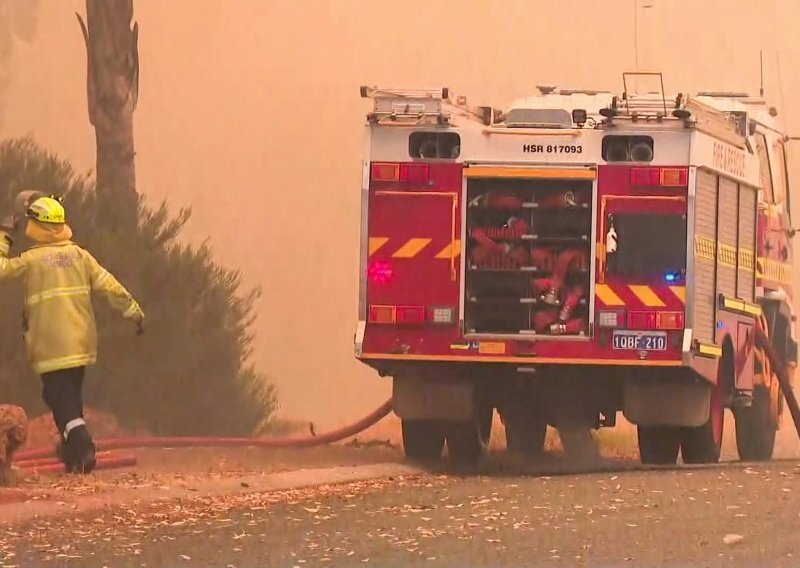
<point x="112" y="87"/>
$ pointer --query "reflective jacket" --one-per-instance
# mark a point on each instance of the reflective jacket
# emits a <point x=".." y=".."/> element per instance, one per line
<point x="59" y="326"/>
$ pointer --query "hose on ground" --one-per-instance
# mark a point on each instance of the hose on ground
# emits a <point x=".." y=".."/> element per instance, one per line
<point x="105" y="444"/>
<point x="103" y="462"/>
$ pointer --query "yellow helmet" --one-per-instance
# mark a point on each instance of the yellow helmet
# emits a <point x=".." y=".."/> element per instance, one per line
<point x="47" y="210"/>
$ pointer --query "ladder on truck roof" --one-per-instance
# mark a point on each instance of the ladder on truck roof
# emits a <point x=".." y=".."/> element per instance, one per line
<point x="407" y="107"/>
<point x="684" y="110"/>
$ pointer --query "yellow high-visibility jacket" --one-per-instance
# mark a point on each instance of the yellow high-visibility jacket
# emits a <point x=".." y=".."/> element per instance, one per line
<point x="59" y="326"/>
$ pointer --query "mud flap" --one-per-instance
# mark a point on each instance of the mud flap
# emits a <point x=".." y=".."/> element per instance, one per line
<point x="421" y="396"/>
<point x="678" y="401"/>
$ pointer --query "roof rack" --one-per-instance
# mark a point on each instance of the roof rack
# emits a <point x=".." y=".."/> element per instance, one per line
<point x="723" y="94"/>
<point x="692" y="113"/>
<point x="407" y="107"/>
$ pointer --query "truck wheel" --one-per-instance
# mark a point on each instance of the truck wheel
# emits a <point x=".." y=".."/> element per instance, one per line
<point x="703" y="444"/>
<point x="577" y="440"/>
<point x="485" y="418"/>
<point x="464" y="444"/>
<point x="755" y="435"/>
<point x="525" y="431"/>
<point x="659" y="445"/>
<point x="423" y="440"/>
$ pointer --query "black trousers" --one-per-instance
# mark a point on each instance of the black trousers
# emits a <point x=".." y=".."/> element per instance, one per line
<point x="63" y="393"/>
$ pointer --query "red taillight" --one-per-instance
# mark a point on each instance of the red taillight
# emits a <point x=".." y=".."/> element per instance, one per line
<point x="674" y="177"/>
<point x="379" y="272"/>
<point x="669" y="320"/>
<point x="382" y="314"/>
<point x="397" y="315"/>
<point x="385" y="172"/>
<point x="645" y="176"/>
<point x="655" y="320"/>
<point x="642" y="320"/>
<point x="414" y="173"/>
<point x="410" y="315"/>
<point x="663" y="177"/>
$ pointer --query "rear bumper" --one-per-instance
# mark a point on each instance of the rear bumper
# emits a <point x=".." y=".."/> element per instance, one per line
<point x="390" y="357"/>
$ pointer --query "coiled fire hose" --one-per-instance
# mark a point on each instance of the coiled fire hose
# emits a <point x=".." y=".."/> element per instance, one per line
<point x="39" y="459"/>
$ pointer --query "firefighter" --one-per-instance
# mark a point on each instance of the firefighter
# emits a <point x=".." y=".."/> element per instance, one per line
<point x="58" y="325"/>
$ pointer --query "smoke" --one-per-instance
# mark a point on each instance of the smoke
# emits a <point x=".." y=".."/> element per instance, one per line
<point x="17" y="24"/>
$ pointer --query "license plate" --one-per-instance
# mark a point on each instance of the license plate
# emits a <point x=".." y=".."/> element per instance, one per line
<point x="640" y="340"/>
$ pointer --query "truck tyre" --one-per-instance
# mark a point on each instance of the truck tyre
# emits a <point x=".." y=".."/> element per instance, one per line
<point x="703" y="444"/>
<point x="755" y="435"/>
<point x="423" y="440"/>
<point x="525" y="432"/>
<point x="485" y="419"/>
<point x="576" y="437"/>
<point x="659" y="445"/>
<point x="464" y="444"/>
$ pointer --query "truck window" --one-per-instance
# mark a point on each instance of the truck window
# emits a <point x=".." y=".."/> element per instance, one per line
<point x="764" y="170"/>
<point x="779" y="180"/>
<point x="627" y="148"/>
<point x="434" y="145"/>
<point x="649" y="245"/>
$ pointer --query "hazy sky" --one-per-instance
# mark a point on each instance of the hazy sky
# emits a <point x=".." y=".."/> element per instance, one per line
<point x="256" y="98"/>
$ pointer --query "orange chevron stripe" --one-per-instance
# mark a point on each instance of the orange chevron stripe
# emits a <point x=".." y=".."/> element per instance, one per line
<point x="680" y="292"/>
<point x="453" y="249"/>
<point x="647" y="296"/>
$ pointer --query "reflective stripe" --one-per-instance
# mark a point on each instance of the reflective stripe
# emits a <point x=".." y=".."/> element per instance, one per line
<point x="64" y="363"/>
<point x="647" y="296"/>
<point x="57" y="293"/>
<point x="607" y="295"/>
<point x="72" y="424"/>
<point x="132" y="310"/>
<point x="5" y="247"/>
<point x="102" y="277"/>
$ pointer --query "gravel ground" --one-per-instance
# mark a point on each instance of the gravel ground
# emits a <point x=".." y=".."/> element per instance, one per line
<point x="731" y="515"/>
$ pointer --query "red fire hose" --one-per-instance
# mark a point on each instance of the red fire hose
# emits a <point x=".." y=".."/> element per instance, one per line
<point x="104" y="444"/>
<point x="780" y="370"/>
<point x="109" y="461"/>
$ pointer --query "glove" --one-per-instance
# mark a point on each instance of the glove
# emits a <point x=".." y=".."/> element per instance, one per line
<point x="8" y="224"/>
<point x="140" y="326"/>
<point x="24" y="200"/>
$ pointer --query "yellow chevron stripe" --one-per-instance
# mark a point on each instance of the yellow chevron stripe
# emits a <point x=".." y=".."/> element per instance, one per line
<point x="773" y="270"/>
<point x="647" y="296"/>
<point x="375" y="243"/>
<point x="680" y="292"/>
<point x="607" y="295"/>
<point x="412" y="248"/>
<point x="455" y="247"/>
<point x="705" y="248"/>
<point x="726" y="255"/>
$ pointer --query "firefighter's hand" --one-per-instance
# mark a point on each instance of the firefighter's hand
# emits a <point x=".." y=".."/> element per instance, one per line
<point x="8" y="223"/>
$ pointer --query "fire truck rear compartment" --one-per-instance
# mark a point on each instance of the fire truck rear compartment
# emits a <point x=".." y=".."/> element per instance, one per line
<point x="527" y="257"/>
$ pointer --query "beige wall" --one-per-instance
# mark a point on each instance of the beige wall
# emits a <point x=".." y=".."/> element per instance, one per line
<point x="256" y="102"/>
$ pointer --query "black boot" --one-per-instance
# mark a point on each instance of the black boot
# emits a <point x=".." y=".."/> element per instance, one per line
<point x="80" y="451"/>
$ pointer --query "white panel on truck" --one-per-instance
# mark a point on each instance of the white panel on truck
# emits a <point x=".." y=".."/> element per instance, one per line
<point x="705" y="230"/>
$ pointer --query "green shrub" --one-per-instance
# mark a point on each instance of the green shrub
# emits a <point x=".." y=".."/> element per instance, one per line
<point x="189" y="374"/>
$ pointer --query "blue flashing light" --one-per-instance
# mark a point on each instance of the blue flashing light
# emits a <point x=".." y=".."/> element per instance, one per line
<point x="672" y="276"/>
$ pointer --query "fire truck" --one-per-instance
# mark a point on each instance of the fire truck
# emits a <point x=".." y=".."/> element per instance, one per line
<point x="576" y="255"/>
